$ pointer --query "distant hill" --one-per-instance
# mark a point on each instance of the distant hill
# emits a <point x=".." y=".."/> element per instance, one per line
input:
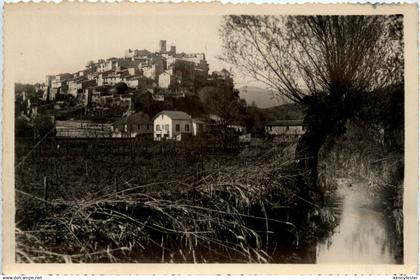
<point x="291" y="111"/>
<point x="263" y="98"/>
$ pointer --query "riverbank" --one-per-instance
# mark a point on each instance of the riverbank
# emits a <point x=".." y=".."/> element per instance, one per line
<point x="361" y="156"/>
<point x="364" y="234"/>
<point x="241" y="209"/>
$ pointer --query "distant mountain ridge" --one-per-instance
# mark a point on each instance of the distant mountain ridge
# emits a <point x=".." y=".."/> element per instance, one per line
<point x="263" y="98"/>
<point x="289" y="111"/>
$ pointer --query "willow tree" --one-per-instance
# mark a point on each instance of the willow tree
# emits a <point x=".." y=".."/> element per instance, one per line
<point x="321" y="62"/>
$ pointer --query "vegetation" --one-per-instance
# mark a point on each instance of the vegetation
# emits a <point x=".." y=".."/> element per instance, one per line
<point x="142" y="201"/>
<point x="320" y="62"/>
<point x="28" y="88"/>
<point x="43" y="126"/>
<point x="224" y="208"/>
<point x="360" y="154"/>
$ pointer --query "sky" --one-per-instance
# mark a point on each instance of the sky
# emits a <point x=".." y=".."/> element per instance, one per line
<point x="52" y="43"/>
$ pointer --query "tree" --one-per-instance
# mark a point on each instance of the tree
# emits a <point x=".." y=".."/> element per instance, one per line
<point x="28" y="88"/>
<point x="121" y="87"/>
<point x="90" y="64"/>
<point x="44" y="126"/>
<point x="23" y="128"/>
<point x="253" y="119"/>
<point x="321" y="62"/>
<point x="224" y="102"/>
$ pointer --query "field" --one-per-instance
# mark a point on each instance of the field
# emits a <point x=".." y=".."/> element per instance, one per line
<point x="159" y="203"/>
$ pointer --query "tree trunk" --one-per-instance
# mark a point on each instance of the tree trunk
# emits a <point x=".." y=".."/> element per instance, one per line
<point x="306" y="155"/>
<point x="325" y="115"/>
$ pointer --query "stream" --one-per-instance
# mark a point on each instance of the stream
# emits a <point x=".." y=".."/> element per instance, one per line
<point x="362" y="235"/>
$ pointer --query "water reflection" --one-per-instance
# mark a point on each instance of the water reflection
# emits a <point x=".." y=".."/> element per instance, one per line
<point x="362" y="235"/>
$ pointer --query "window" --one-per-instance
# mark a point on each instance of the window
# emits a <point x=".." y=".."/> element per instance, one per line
<point x="177" y="127"/>
<point x="138" y="127"/>
<point x="158" y="127"/>
<point x="187" y="127"/>
<point x="167" y="127"/>
<point x="147" y="126"/>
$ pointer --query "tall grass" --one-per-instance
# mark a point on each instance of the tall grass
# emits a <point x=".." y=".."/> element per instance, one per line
<point x="249" y="212"/>
<point x="359" y="155"/>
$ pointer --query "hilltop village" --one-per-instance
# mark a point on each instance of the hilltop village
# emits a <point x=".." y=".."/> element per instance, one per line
<point x="162" y="95"/>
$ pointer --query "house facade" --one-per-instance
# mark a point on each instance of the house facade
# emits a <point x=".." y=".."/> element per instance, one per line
<point x="133" y="125"/>
<point x="172" y="125"/>
<point x="285" y="130"/>
<point x="82" y="129"/>
<point x="166" y="80"/>
<point x="77" y="86"/>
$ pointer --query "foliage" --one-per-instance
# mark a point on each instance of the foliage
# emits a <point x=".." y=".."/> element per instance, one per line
<point x="223" y="102"/>
<point x="290" y="111"/>
<point x="28" y="88"/>
<point x="232" y="212"/>
<point x="23" y="128"/>
<point x="105" y="89"/>
<point x="360" y="154"/>
<point x="44" y="125"/>
<point x="383" y="110"/>
<point x="324" y="63"/>
<point x="254" y="120"/>
<point x="143" y="102"/>
<point x="301" y="55"/>
<point x="90" y="64"/>
<point x="121" y="87"/>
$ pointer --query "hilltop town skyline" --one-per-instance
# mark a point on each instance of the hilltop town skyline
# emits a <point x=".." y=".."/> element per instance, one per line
<point x="48" y="56"/>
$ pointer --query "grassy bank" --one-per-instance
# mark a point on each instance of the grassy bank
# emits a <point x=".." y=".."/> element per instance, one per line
<point x="361" y="156"/>
<point x="229" y="208"/>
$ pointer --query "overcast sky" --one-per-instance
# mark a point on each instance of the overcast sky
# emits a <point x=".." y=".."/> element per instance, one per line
<point x="51" y="44"/>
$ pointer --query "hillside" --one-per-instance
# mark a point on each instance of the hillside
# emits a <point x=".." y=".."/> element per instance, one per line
<point x="263" y="98"/>
<point x="291" y="111"/>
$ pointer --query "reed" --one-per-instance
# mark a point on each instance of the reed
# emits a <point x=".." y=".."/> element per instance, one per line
<point x="234" y="213"/>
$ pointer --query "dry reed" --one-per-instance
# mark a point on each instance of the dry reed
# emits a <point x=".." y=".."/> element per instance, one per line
<point x="226" y="214"/>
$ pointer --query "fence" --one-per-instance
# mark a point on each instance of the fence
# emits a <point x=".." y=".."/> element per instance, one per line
<point x="53" y="146"/>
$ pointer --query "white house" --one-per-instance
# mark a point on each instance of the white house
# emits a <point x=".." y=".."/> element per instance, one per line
<point x="172" y="125"/>
<point x="285" y="130"/>
<point x="165" y="80"/>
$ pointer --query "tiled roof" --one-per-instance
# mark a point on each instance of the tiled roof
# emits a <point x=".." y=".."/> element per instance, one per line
<point x="199" y="121"/>
<point x="286" y="123"/>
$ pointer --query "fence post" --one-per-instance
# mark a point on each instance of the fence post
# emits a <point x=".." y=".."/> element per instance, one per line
<point x="45" y="193"/>
<point x="202" y="159"/>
